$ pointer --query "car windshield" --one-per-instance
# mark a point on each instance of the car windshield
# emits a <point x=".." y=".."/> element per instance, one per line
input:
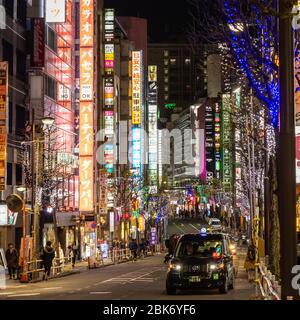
<point x="215" y="222"/>
<point x="199" y="248"/>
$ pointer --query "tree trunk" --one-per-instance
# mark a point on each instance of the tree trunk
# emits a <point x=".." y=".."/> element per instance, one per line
<point x="274" y="259"/>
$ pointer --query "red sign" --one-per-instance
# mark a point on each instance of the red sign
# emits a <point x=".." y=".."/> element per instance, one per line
<point x="38" y="54"/>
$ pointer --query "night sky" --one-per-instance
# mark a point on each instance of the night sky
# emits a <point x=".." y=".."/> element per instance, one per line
<point x="167" y="19"/>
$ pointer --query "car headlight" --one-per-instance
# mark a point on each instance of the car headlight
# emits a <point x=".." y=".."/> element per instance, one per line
<point x="175" y="266"/>
<point x="214" y="267"/>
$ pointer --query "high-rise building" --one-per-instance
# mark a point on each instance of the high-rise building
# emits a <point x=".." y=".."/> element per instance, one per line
<point x="13" y="39"/>
<point x="180" y="75"/>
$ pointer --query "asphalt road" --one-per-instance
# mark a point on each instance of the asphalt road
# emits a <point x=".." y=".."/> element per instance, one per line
<point x="141" y="280"/>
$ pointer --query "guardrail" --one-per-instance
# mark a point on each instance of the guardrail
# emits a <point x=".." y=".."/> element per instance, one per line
<point x="269" y="287"/>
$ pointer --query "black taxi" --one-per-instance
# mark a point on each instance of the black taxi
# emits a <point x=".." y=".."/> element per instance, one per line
<point x="200" y="261"/>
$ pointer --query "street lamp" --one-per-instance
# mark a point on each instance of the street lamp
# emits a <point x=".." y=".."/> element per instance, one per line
<point x="48" y="121"/>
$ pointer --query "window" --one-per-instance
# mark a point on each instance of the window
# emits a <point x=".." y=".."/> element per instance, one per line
<point x="166" y="53"/>
<point x="51" y="39"/>
<point x="166" y="62"/>
<point x="10" y="117"/>
<point x="166" y="71"/>
<point x="9" y="174"/>
<point x="20" y="120"/>
<point x="166" y="79"/>
<point x="166" y="88"/>
<point x="21" y="12"/>
<point x="9" y="6"/>
<point x="166" y="97"/>
<point x="187" y="61"/>
<point x="8" y="55"/>
<point x="19" y="174"/>
<point x="50" y="87"/>
<point x="21" y="65"/>
<point x="173" y="61"/>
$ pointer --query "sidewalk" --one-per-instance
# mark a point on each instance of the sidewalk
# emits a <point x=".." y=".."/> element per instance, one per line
<point x="246" y="289"/>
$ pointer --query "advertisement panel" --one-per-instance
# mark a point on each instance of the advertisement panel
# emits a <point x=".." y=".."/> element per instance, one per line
<point x="3" y="122"/>
<point x="86" y="116"/>
<point x="86" y="74"/>
<point x="86" y="172"/>
<point x="38" y="46"/>
<point x="209" y="142"/>
<point x="152" y="128"/>
<point x="56" y="11"/>
<point x="227" y="173"/>
<point x="136" y="87"/>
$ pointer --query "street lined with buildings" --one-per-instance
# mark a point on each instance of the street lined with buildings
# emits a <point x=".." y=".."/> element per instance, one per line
<point x="144" y="279"/>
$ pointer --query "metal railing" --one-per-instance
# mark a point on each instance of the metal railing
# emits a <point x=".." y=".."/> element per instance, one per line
<point x="35" y="268"/>
<point x="269" y="287"/>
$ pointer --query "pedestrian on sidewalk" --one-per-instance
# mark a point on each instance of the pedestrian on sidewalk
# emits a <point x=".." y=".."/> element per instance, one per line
<point x="70" y="255"/>
<point x="133" y="247"/>
<point x="47" y="257"/>
<point x="75" y="253"/>
<point x="12" y="261"/>
<point x="250" y="262"/>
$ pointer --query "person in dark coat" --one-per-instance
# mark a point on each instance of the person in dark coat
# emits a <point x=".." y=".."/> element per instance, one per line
<point x="133" y="246"/>
<point x="12" y="261"/>
<point x="47" y="257"/>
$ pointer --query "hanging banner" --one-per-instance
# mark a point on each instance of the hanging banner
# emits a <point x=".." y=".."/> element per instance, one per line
<point x="3" y="122"/>
<point x="56" y="11"/>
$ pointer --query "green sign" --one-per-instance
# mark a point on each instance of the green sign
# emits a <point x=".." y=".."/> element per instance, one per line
<point x="170" y="106"/>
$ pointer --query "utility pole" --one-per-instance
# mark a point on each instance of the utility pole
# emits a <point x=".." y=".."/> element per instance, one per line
<point x="287" y="172"/>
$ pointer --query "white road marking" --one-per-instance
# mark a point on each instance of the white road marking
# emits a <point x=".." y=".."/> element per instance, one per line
<point x="100" y="292"/>
<point x="51" y="288"/>
<point x="194" y="227"/>
<point x="24" y="295"/>
<point x="6" y="293"/>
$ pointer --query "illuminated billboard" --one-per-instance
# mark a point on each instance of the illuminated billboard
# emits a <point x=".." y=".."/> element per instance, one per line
<point x="136" y="87"/>
<point x="227" y="173"/>
<point x="86" y="112"/>
<point x="152" y="128"/>
<point x="136" y="148"/>
<point x="3" y="121"/>
<point x="56" y="11"/>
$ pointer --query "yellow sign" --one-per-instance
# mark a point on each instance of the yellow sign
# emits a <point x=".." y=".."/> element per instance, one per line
<point x="152" y="73"/>
<point x="136" y="87"/>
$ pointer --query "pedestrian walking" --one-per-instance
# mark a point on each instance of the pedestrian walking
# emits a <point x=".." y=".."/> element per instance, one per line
<point x="70" y="254"/>
<point x="12" y="261"/>
<point x="47" y="257"/>
<point x="133" y="247"/>
<point x="75" y="253"/>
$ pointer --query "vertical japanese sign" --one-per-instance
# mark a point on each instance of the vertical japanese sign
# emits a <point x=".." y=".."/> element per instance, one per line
<point x="226" y="141"/>
<point x="3" y="121"/>
<point x="136" y="87"/>
<point x="86" y="133"/>
<point x="38" y="47"/>
<point x="217" y="138"/>
<point x="56" y="11"/>
<point x="153" y="134"/>
<point x="209" y="142"/>
<point x="109" y="87"/>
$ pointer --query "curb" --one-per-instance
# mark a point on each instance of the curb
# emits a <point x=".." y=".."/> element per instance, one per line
<point x="62" y="275"/>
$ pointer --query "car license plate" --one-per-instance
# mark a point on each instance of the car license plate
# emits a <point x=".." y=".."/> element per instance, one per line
<point x="195" y="279"/>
